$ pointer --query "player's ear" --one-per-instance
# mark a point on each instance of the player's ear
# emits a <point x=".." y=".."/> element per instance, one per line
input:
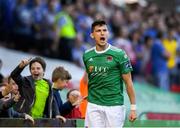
<point x="91" y="35"/>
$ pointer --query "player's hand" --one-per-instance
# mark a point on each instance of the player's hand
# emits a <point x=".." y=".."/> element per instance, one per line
<point x="61" y="118"/>
<point x="132" y="116"/>
<point x="28" y="117"/>
<point x="25" y="62"/>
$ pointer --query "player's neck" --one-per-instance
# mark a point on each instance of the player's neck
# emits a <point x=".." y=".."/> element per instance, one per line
<point x="102" y="48"/>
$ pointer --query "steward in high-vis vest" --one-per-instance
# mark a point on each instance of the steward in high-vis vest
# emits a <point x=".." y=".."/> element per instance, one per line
<point x="66" y="32"/>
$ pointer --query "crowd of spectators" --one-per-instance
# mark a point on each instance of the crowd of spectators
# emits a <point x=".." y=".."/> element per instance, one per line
<point x="61" y="28"/>
<point x="33" y="96"/>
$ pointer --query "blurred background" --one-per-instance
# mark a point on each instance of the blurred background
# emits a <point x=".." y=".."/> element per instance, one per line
<point x="58" y="30"/>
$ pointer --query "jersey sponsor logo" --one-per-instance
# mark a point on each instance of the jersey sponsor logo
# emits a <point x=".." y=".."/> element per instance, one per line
<point x="109" y="58"/>
<point x="98" y="69"/>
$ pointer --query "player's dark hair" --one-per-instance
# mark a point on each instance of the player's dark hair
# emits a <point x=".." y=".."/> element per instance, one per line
<point x="97" y="23"/>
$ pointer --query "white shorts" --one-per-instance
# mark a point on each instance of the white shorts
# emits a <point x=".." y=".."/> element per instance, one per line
<point x="104" y="116"/>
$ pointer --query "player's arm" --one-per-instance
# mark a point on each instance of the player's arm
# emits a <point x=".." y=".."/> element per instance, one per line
<point x="131" y="93"/>
<point x="16" y="73"/>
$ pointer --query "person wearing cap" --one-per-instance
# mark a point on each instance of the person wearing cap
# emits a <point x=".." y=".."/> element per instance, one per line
<point x="36" y="91"/>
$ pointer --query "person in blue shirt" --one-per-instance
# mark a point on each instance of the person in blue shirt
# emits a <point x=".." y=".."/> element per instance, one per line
<point x="159" y="58"/>
<point x="60" y="79"/>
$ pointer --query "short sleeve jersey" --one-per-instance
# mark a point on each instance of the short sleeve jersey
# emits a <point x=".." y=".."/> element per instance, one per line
<point x="105" y="85"/>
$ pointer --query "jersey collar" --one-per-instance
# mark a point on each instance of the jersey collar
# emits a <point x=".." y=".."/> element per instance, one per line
<point x="99" y="52"/>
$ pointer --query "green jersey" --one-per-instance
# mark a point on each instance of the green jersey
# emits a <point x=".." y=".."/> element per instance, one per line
<point x="105" y="85"/>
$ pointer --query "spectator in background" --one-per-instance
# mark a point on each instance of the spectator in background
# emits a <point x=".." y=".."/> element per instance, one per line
<point x="178" y="67"/>
<point x="78" y="50"/>
<point x="116" y="20"/>
<point x="105" y="7"/>
<point x="146" y="62"/>
<point x="65" y="32"/>
<point x="37" y="26"/>
<point x="138" y="49"/>
<point x="176" y="86"/>
<point x="22" y="26"/>
<point x="6" y="20"/>
<point x="60" y="79"/>
<point x="83" y="21"/>
<point x="121" y="41"/>
<point x="6" y="104"/>
<point x="177" y="35"/>
<point x="159" y="57"/>
<point x="36" y="91"/>
<point x="152" y="29"/>
<point x="72" y="96"/>
<point x="171" y="46"/>
<point x="49" y="30"/>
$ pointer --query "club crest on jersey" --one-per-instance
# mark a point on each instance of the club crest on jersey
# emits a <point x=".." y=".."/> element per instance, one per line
<point x="109" y="58"/>
<point x="91" y="68"/>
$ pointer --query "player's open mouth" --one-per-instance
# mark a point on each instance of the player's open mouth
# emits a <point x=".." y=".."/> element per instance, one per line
<point x="102" y="38"/>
